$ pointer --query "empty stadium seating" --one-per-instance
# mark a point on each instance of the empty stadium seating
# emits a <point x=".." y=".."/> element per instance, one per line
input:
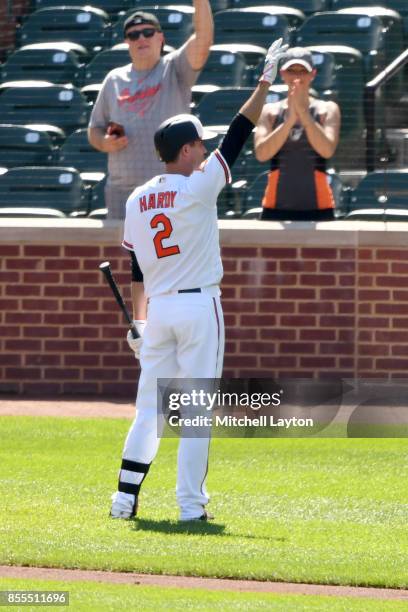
<point x="219" y="107"/>
<point x="37" y="102"/>
<point x="54" y="62"/>
<point x="25" y="146"/>
<point x="109" y="6"/>
<point x="176" y="23"/>
<point x="223" y="68"/>
<point x="78" y="153"/>
<point x="87" y="26"/>
<point x="257" y="26"/>
<point x="39" y="187"/>
<point x="306" y="6"/>
<point x="383" y="193"/>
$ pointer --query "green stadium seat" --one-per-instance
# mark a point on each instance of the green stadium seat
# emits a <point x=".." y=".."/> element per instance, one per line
<point x="306" y="6"/>
<point x="361" y="32"/>
<point x="25" y="146"/>
<point x="397" y="5"/>
<point x="76" y="152"/>
<point x="381" y="193"/>
<point x="216" y="5"/>
<point x="87" y="26"/>
<point x="255" y="191"/>
<point x="104" y="62"/>
<point x="294" y="16"/>
<point x="257" y="26"/>
<point x="38" y="102"/>
<point x="38" y="187"/>
<point x="97" y="209"/>
<point x="176" y="23"/>
<point x="53" y="62"/>
<point x="219" y="107"/>
<point x="112" y="7"/>
<point x="223" y="68"/>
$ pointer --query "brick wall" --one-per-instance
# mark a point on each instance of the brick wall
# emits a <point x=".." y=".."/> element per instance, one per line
<point x="10" y="11"/>
<point x="312" y="305"/>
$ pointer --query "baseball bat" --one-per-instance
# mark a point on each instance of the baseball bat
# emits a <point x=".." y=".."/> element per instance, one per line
<point x="107" y="272"/>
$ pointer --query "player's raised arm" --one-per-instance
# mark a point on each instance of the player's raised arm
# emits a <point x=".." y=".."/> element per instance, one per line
<point x="248" y="115"/>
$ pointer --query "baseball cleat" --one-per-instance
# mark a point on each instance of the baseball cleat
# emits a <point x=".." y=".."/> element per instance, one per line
<point x="206" y="516"/>
<point x="123" y="509"/>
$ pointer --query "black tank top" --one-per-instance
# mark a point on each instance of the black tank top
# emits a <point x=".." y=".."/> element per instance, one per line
<point x="297" y="162"/>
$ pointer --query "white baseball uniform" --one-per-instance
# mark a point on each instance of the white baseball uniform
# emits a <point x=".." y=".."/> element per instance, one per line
<point x="171" y="225"/>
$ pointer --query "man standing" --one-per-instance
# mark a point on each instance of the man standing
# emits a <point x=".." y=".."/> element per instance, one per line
<point x="298" y="135"/>
<point x="136" y="98"/>
<point x="171" y="227"/>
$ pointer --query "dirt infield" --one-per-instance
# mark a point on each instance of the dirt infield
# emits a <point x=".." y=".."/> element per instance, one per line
<point x="85" y="408"/>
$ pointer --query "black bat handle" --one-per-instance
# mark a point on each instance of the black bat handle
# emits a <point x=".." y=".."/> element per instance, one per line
<point x="105" y="269"/>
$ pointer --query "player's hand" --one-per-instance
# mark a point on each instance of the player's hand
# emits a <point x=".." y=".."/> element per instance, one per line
<point x="136" y="343"/>
<point x="112" y="143"/>
<point x="273" y="55"/>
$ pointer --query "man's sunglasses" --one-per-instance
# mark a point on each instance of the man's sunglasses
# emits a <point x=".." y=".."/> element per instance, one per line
<point x="136" y="34"/>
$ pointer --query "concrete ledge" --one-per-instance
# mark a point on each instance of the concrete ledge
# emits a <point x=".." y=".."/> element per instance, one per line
<point x="233" y="233"/>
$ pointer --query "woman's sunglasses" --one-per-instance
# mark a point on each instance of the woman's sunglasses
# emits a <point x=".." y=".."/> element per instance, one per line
<point x="136" y="34"/>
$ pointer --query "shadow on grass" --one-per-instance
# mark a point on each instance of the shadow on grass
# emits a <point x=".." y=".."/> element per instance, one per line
<point x="173" y="527"/>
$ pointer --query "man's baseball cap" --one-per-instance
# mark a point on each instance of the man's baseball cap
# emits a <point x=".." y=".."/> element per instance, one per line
<point x="141" y="18"/>
<point x="177" y="131"/>
<point x="297" y="55"/>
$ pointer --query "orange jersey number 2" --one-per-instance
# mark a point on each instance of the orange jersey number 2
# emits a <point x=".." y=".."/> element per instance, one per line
<point x="162" y="234"/>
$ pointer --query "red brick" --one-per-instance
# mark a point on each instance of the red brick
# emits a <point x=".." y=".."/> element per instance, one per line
<point x="318" y="362"/>
<point x="259" y="293"/>
<point x="41" y="331"/>
<point x="80" y="305"/>
<point x="259" y="348"/>
<point x="365" y="254"/>
<point x="374" y="349"/>
<point x="62" y="345"/>
<point x="10" y="360"/>
<point x="347" y="253"/>
<point x="239" y="306"/>
<point x="240" y="279"/>
<point x="337" y="266"/>
<point x="62" y="319"/>
<point x="62" y="264"/>
<point x="10" y="388"/>
<point x="297" y="348"/>
<point x="80" y="388"/>
<point x="400" y="309"/>
<point x="230" y="265"/>
<point x="95" y="292"/>
<point x="8" y="305"/>
<point x="239" y="252"/>
<point x="375" y="322"/>
<point x="82" y="278"/>
<point x="346" y="335"/>
<point x="258" y="320"/>
<point x="391" y="281"/>
<point x="257" y="267"/>
<point x="365" y="336"/>
<point x="42" y="278"/>
<point x="318" y="280"/>
<point x="399" y="268"/>
<point x="10" y="250"/>
<point x="112" y="332"/>
<point x="229" y="293"/>
<point x="400" y="295"/>
<point x="346" y="308"/>
<point x="366" y="281"/>
<point x="82" y="360"/>
<point x="122" y="390"/>
<point x="114" y="251"/>
<point x="316" y="307"/>
<point x="241" y="333"/>
<point x="117" y="361"/>
<point x="23" y="290"/>
<point x="101" y="346"/>
<point x="337" y="294"/>
<point x="276" y="307"/>
<point x="297" y="294"/>
<point x="390" y="336"/>
<point x="279" y="253"/>
<point x="372" y="295"/>
<point x="42" y="304"/>
<point x="336" y="321"/>
<point x="42" y="388"/>
<point x="61" y="291"/>
<point x="399" y="323"/>
<point x="399" y="351"/>
<point x="42" y="360"/>
<point x="288" y="361"/>
<point x="22" y="345"/>
<point x="23" y="317"/>
<point x="23" y="263"/>
<point x="297" y="266"/>
<point x="8" y="331"/>
<point x="365" y="308"/>
<point x="393" y="254"/>
<point x="62" y="373"/>
<point x="241" y="361"/>
<point x="347" y="280"/>
<point x="101" y="374"/>
<point x="319" y="253"/>
<point x="93" y="264"/>
<point x="373" y="267"/>
<point x="42" y="250"/>
<point x="392" y="364"/>
<point x="317" y="334"/>
<point x="230" y="320"/>
<point x="336" y="348"/>
<point x="298" y="320"/>
<point x="80" y="332"/>
<point x="81" y="251"/>
<point x="278" y="334"/>
<point x="9" y="277"/>
<point x="231" y="347"/>
<point x="102" y="319"/>
<point x="23" y="373"/>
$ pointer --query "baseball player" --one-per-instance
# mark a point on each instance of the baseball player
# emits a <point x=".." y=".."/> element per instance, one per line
<point x="171" y="228"/>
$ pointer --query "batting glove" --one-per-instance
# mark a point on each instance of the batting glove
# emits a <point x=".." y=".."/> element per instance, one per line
<point x="136" y="343"/>
<point x="275" y="52"/>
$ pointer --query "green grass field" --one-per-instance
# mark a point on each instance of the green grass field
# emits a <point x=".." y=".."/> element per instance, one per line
<point x="326" y="511"/>
<point x="88" y="596"/>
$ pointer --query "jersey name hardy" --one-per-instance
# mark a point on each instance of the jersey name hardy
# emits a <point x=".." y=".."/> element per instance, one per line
<point x="162" y="199"/>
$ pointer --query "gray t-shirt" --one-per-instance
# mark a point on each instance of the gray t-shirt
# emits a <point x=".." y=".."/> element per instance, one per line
<point x="140" y="100"/>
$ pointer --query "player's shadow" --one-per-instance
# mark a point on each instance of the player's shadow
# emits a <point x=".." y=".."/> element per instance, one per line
<point x="172" y="527"/>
